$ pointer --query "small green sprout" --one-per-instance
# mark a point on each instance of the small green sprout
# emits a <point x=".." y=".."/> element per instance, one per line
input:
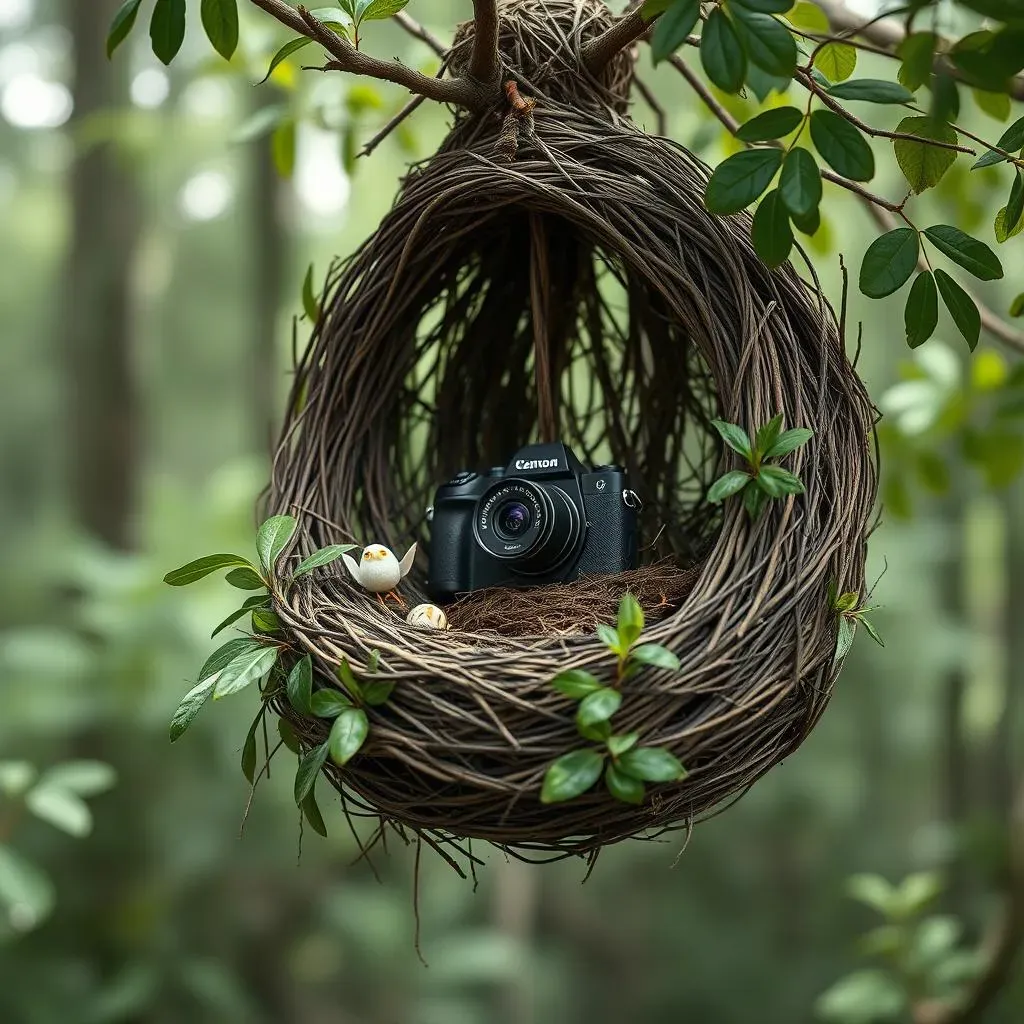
<point x="849" y="618"/>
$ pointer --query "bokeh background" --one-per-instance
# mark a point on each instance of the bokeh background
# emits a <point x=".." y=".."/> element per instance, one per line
<point x="155" y="229"/>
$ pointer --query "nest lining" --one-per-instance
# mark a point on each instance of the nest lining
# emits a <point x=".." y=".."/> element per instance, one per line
<point x="587" y="282"/>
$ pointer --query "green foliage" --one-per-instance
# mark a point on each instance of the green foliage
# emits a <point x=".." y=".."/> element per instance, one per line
<point x="167" y="29"/>
<point x="121" y="26"/>
<point x="220" y="20"/>
<point x="921" y="314"/>
<point x="738" y="181"/>
<point x="348" y="734"/>
<point x="889" y="262"/>
<point x="842" y="146"/>
<point x="721" y="53"/>
<point x="850" y="617"/>
<point x="962" y="308"/>
<point x="761" y="481"/>
<point x="871" y="90"/>
<point x="771" y="231"/>
<point x="272" y="538"/>
<point x="673" y="27"/>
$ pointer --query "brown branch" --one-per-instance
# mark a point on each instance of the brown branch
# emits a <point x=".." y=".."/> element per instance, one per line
<point x="410" y="108"/>
<point x="887" y="34"/>
<point x="417" y="31"/>
<point x="458" y="91"/>
<point x="484" y="65"/>
<point x="661" y="120"/>
<point x="623" y="33"/>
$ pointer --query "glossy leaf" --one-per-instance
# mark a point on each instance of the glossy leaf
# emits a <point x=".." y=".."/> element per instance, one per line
<point x="223" y="656"/>
<point x="1012" y="140"/>
<point x="309" y="304"/>
<point x="245" y="579"/>
<point x="348" y="734"/>
<point x="630" y="621"/>
<point x="571" y="775"/>
<point x="652" y="764"/>
<point x="1014" y="208"/>
<point x="299" y="686"/>
<point x="921" y="313"/>
<point x="1001" y="227"/>
<point x="739" y="180"/>
<point x="778" y="482"/>
<point x="121" y="26"/>
<point x="347" y="679"/>
<point x="249" y="750"/>
<point x="768" y="43"/>
<point x="598" y="706"/>
<point x="325" y="556"/>
<point x="987" y="160"/>
<point x="220" y="20"/>
<point x="734" y="436"/>
<point x="377" y="692"/>
<point x="754" y="501"/>
<point x="889" y="262"/>
<point x="800" y="183"/>
<point x="962" y="308"/>
<point x="203" y="567"/>
<point x="788" y="441"/>
<point x="672" y="28"/>
<point x="728" y="485"/>
<point x="842" y="146"/>
<point x="329" y="703"/>
<point x="624" y="787"/>
<point x="272" y="538"/>
<point x="293" y="46"/>
<point x="618" y="745"/>
<point x="836" y="61"/>
<point x="721" y="53"/>
<point x="656" y="656"/>
<point x="923" y="165"/>
<point x="378" y="10"/>
<point x="872" y="90"/>
<point x="189" y="708"/>
<point x="970" y="253"/>
<point x="772" y="124"/>
<point x="244" y="670"/>
<point x="576" y="683"/>
<point x="265" y="621"/>
<point x="308" y="770"/>
<point x="167" y="29"/>
<point x="259" y="601"/>
<point x="311" y="812"/>
<point x="766" y="6"/>
<point x="609" y="637"/>
<point x="288" y="737"/>
<point x="771" y="231"/>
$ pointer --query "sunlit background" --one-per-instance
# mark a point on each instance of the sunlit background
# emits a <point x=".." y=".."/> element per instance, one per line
<point x="155" y="228"/>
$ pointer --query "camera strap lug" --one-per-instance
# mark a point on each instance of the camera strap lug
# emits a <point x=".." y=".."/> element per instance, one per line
<point x="632" y="500"/>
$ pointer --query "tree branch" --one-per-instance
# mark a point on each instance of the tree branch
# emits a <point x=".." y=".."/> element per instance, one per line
<point x="417" y="31"/>
<point x="887" y="33"/>
<point x="459" y="92"/>
<point x="624" y="32"/>
<point x="483" y="62"/>
<point x="661" y="120"/>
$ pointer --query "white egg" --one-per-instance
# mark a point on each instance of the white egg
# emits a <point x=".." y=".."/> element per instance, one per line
<point x="427" y="615"/>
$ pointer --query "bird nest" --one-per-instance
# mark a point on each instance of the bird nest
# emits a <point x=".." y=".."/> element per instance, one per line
<point x="581" y="291"/>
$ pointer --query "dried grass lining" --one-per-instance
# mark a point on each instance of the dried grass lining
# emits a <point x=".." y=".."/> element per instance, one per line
<point x="649" y="317"/>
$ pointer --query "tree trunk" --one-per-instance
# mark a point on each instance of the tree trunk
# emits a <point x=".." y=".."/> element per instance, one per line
<point x="101" y="402"/>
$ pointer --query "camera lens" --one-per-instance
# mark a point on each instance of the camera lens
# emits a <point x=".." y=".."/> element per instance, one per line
<point x="513" y="519"/>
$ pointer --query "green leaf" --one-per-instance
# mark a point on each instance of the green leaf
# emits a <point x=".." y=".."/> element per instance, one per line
<point x="736" y="182"/>
<point x="348" y="734"/>
<point x="202" y="567"/>
<point x="754" y="500"/>
<point x="921" y="313"/>
<point x="299" y="686"/>
<point x="873" y="891"/>
<point x="914" y="894"/>
<point x="329" y="703"/>
<point x="808" y="225"/>
<point x="167" y="29"/>
<point x="923" y="165"/>
<point x="121" y="26"/>
<point x="325" y="556"/>
<point x="16" y="777"/>
<point x="762" y="85"/>
<point x="223" y="656"/>
<point x="772" y="124"/>
<point x="282" y="147"/>
<point x="264" y="621"/>
<point x="308" y="770"/>
<point x="650" y="8"/>
<point x="246" y="579"/>
<point x="624" y="787"/>
<point x="378" y="10"/>
<point x="800" y="183"/>
<point x="970" y="253"/>
<point x="842" y="146"/>
<point x="766" y="6"/>
<point x="652" y="764"/>
<point x="618" y="745"/>
<point x="309" y="303"/>
<point x="721" y="53"/>
<point x="734" y="436"/>
<point x="770" y="230"/>
<point x="311" y="812"/>
<point x="889" y="262"/>
<point x="863" y="997"/>
<point x="251" y="603"/>
<point x="836" y="61"/>
<point x="917" y="52"/>
<point x="288" y="737"/>
<point x="220" y="19"/>
<point x="872" y="90"/>
<point x="347" y="679"/>
<point x="272" y="539"/>
<point x="996" y="104"/>
<point x="1017" y="306"/>
<point x="25" y="891"/>
<point x="987" y="160"/>
<point x="377" y="692"/>
<point x="871" y="631"/>
<point x="244" y="670"/>
<point x="609" y="637"/>
<point x="1014" y="208"/>
<point x="576" y="683"/>
<point x="847" y="601"/>
<point x="673" y="27"/>
<point x="249" y="750"/>
<point x="598" y="706"/>
<point x="728" y="485"/>
<point x="844" y="641"/>
<point x="571" y="775"/>
<point x="656" y="656"/>
<point x="60" y="808"/>
<point x="373" y="661"/>
<point x="768" y="43"/>
<point x="789" y="441"/>
<point x="630" y="621"/>
<point x="190" y="706"/>
<point x="1001" y="227"/>
<point x="1012" y="139"/>
<point x="85" y="778"/>
<point x="284" y="53"/>
<point x="778" y="482"/>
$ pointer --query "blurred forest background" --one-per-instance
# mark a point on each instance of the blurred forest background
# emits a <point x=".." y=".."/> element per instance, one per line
<point x="155" y="229"/>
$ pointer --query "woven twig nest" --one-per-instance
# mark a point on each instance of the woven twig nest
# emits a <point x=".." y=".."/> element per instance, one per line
<point x="593" y="253"/>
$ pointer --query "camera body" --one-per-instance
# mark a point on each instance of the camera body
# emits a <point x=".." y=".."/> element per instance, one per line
<point x="543" y="518"/>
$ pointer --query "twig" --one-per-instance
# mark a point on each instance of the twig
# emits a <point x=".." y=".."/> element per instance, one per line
<point x="417" y="31"/>
<point x="625" y="31"/>
<point x="483" y="62"/>
<point x="410" y="108"/>
<point x="661" y="121"/>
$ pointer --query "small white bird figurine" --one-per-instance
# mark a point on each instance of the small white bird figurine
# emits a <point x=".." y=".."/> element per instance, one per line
<point x="427" y="615"/>
<point x="379" y="571"/>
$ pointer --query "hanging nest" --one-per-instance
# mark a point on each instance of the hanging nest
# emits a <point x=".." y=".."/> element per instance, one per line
<point x="580" y="291"/>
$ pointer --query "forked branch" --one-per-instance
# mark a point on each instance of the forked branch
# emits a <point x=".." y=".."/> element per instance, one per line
<point x="599" y="52"/>
<point x="483" y="63"/>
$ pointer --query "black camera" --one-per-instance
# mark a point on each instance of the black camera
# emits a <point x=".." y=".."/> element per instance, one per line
<point x="544" y="518"/>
